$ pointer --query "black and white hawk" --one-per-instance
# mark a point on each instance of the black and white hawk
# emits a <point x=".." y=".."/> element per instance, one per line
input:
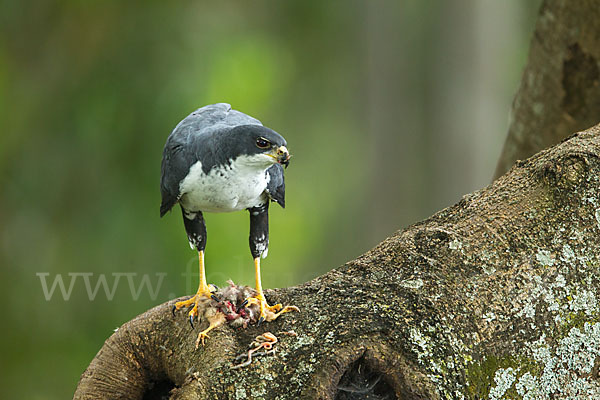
<point x="221" y="160"/>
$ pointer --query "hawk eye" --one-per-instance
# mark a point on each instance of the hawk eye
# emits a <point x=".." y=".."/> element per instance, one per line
<point x="262" y="143"/>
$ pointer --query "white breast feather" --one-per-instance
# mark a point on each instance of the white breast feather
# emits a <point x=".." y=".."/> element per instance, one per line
<point x="233" y="187"/>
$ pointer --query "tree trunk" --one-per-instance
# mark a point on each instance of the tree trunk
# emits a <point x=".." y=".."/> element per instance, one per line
<point x="497" y="291"/>
<point x="560" y="91"/>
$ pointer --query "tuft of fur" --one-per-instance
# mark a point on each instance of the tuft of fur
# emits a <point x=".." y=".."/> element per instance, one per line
<point x="232" y="297"/>
<point x="229" y="307"/>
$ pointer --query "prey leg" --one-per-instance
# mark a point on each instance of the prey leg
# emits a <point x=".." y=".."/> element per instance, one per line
<point x="215" y="321"/>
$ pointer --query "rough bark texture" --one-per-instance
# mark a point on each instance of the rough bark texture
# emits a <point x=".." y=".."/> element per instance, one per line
<point x="499" y="291"/>
<point x="560" y="90"/>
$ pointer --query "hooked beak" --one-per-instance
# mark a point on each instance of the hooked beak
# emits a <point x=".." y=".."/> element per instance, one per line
<point x="283" y="156"/>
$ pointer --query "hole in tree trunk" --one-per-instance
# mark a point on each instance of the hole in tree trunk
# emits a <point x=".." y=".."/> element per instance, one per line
<point x="159" y="390"/>
<point x="360" y="381"/>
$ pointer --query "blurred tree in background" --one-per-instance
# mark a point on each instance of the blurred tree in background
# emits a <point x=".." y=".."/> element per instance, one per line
<point x="392" y="110"/>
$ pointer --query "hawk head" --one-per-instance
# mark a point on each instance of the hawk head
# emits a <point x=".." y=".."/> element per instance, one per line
<point x="262" y="146"/>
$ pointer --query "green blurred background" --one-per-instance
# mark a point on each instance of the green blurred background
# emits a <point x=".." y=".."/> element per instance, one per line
<point x="392" y="110"/>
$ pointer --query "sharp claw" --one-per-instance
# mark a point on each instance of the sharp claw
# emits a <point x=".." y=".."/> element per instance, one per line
<point x="192" y="321"/>
<point x="173" y="310"/>
<point x="215" y="298"/>
<point x="260" y="320"/>
<point x="215" y="286"/>
<point x="244" y="304"/>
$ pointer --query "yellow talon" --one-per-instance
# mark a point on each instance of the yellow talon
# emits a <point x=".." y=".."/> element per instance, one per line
<point x="195" y="299"/>
<point x="267" y="312"/>
<point x="204" y="292"/>
<point x="194" y="311"/>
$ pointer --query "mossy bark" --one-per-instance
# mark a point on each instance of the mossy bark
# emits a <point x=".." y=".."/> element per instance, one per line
<point x="495" y="295"/>
<point x="560" y="88"/>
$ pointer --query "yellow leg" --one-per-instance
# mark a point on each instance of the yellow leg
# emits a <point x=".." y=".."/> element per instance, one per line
<point x="267" y="312"/>
<point x="203" y="291"/>
<point x="257" y="278"/>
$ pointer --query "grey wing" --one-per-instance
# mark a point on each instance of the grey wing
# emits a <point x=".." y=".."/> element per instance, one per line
<point x="276" y="186"/>
<point x="176" y="163"/>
